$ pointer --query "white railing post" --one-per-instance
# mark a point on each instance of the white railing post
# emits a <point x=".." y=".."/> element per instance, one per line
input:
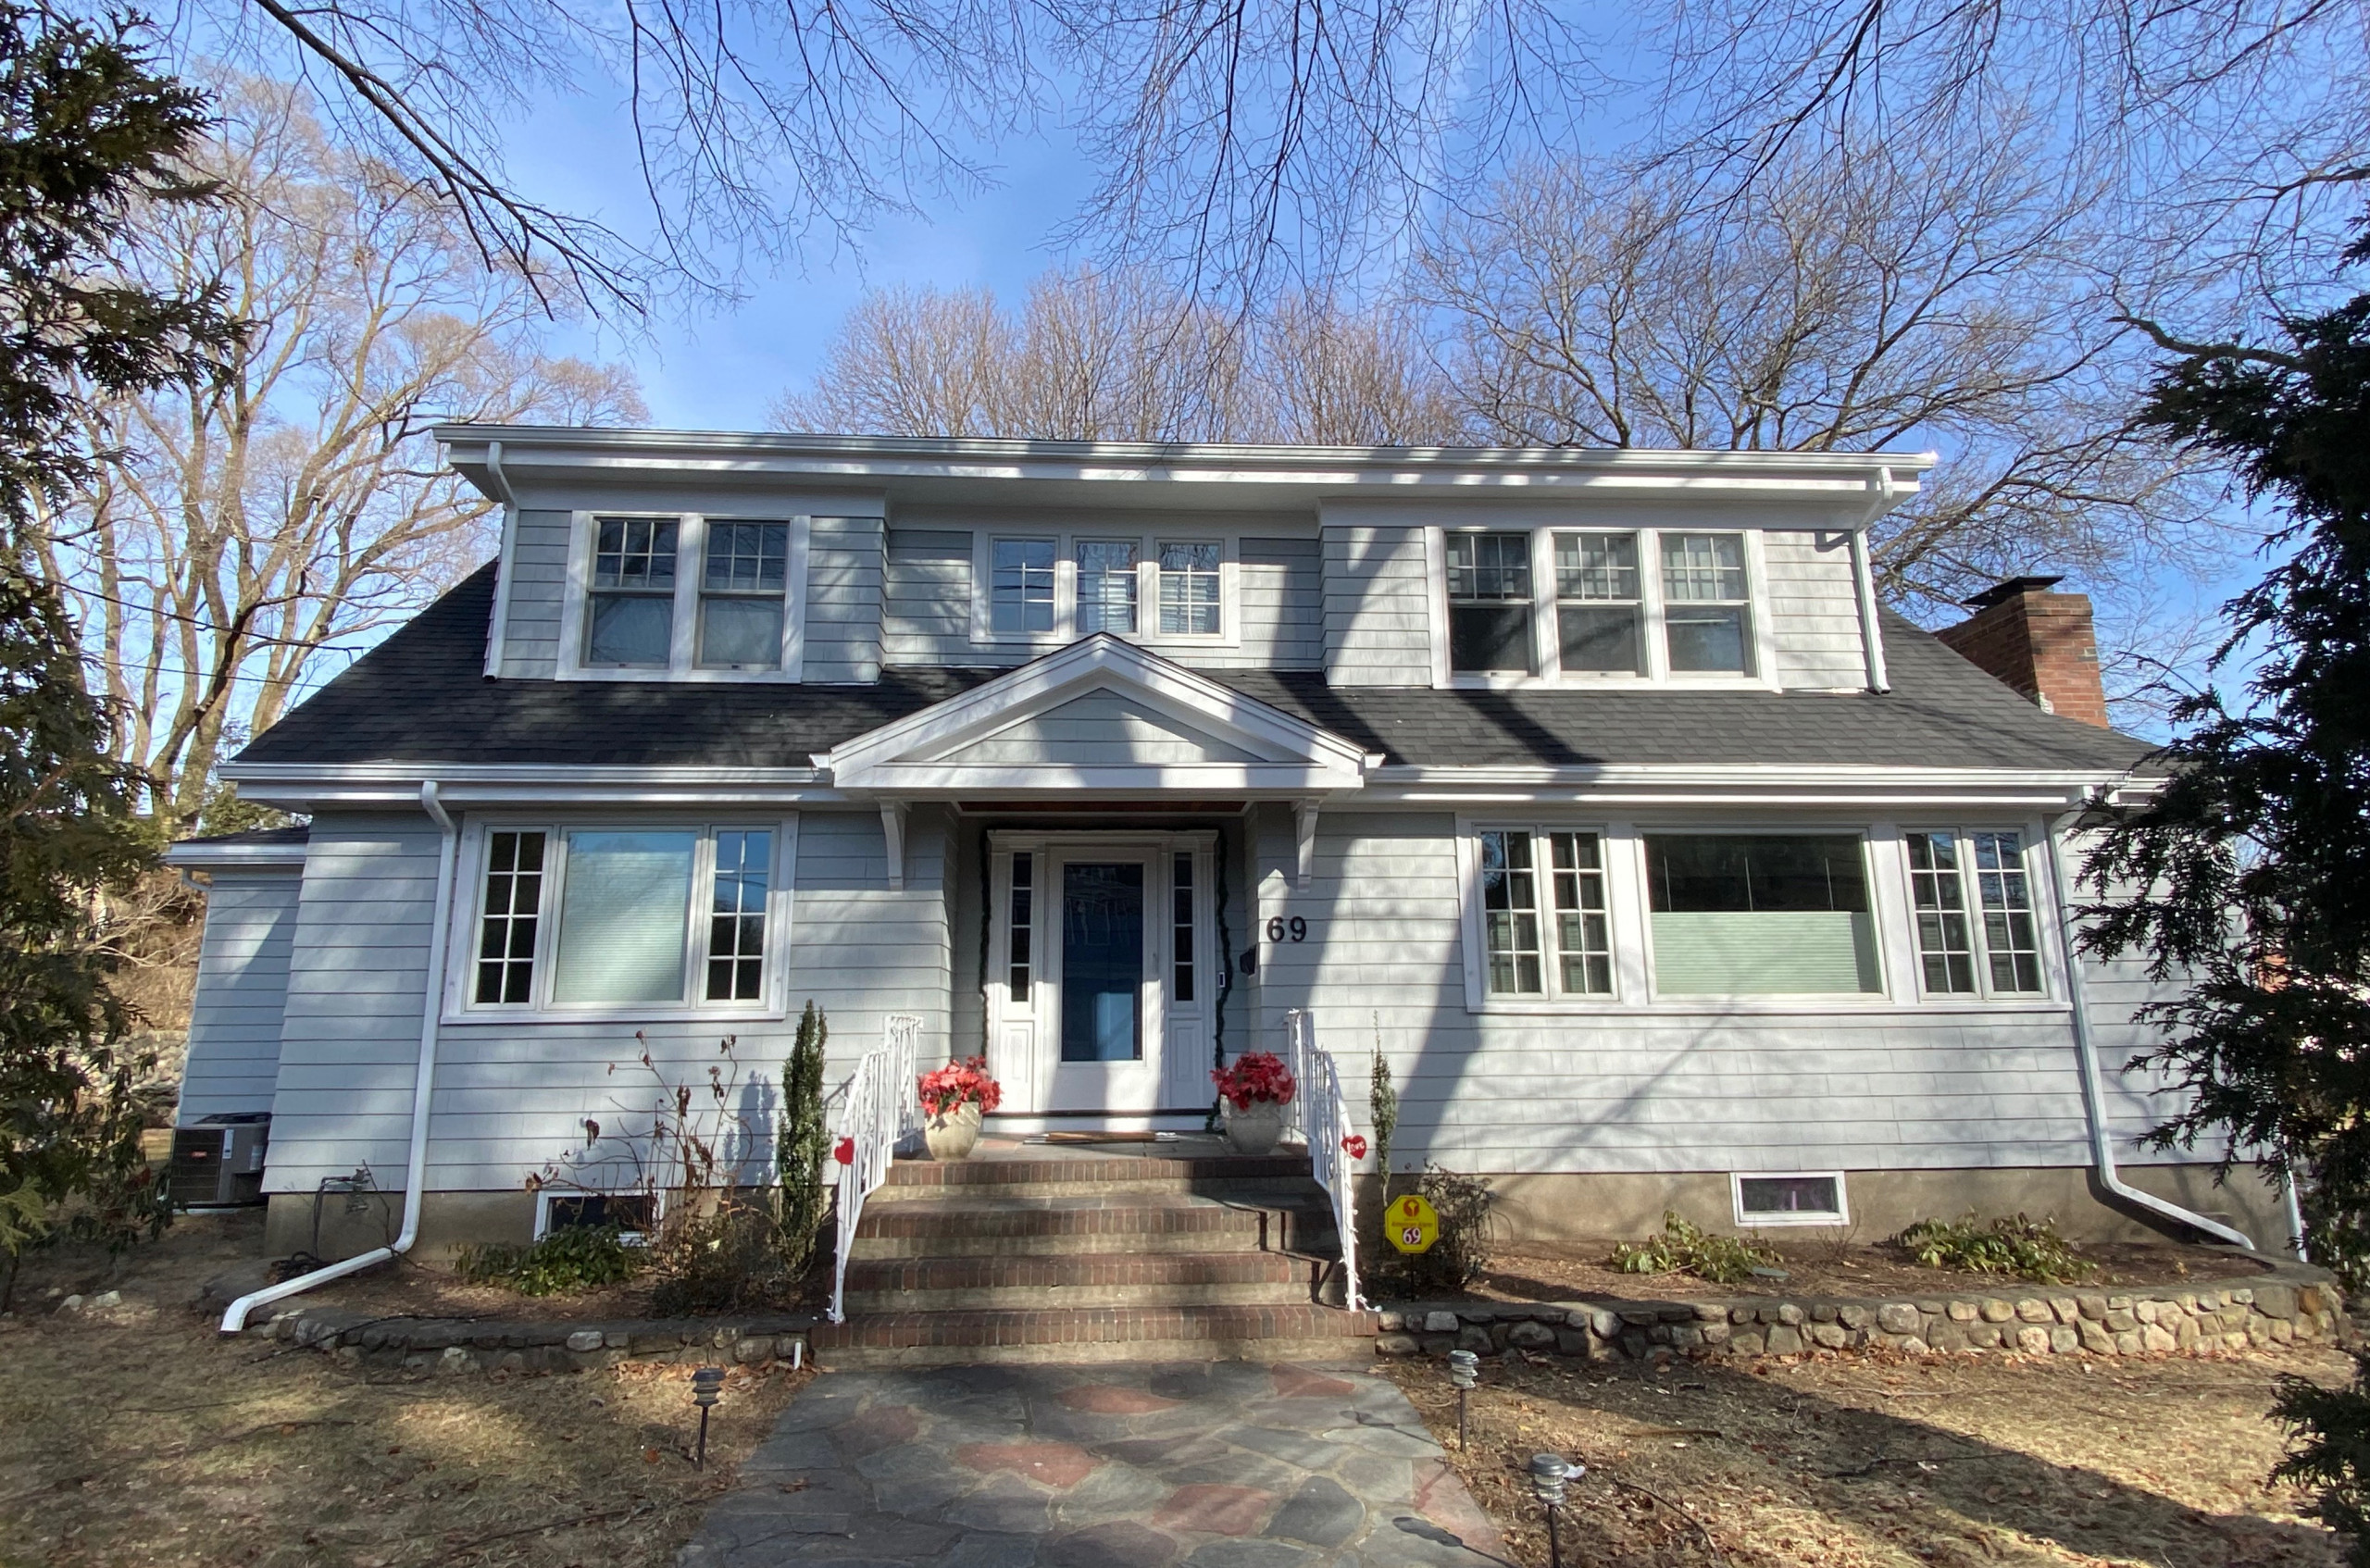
<point x="1323" y="1117"/>
<point x="880" y="1104"/>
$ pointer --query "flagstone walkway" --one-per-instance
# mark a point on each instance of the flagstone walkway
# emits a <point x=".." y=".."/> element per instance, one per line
<point x="1219" y="1464"/>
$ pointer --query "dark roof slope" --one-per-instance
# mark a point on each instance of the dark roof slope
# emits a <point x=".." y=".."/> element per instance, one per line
<point x="422" y="696"/>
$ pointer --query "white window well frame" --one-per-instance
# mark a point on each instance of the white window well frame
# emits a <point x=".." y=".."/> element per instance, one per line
<point x="546" y="1196"/>
<point x="2038" y="904"/>
<point x="1546" y="645"/>
<point x="1840" y="1215"/>
<point x="691" y="569"/>
<point x="1065" y="541"/>
<point x="459" y="1003"/>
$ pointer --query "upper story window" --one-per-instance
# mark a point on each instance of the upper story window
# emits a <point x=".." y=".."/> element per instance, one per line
<point x="578" y="920"/>
<point x="1706" y="612"/>
<point x="1055" y="588"/>
<point x="1488" y="603"/>
<point x="688" y="597"/>
<point x="1972" y="902"/>
<point x="1571" y="604"/>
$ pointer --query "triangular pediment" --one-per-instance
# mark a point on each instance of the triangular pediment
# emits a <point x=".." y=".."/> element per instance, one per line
<point x="1100" y="713"/>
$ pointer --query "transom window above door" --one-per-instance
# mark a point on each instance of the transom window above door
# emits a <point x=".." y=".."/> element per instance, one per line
<point x="1055" y="588"/>
<point x="1563" y="606"/>
<point x="686" y="597"/>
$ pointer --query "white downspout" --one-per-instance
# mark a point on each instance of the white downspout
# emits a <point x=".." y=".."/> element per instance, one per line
<point x="1863" y="586"/>
<point x="2093" y="1090"/>
<point x="497" y="632"/>
<point x="432" y="1006"/>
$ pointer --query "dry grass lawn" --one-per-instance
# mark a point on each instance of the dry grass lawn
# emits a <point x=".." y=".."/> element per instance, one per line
<point x="1854" y="1463"/>
<point x="137" y="1437"/>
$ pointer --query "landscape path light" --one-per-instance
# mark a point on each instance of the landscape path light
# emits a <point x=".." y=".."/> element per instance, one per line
<point x="1464" y="1376"/>
<point x="707" y="1387"/>
<point x="1550" y="1473"/>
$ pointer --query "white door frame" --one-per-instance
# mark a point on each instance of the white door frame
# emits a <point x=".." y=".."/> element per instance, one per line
<point x="1024" y="1046"/>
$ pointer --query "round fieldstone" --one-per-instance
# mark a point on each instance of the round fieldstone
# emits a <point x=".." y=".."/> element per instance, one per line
<point x="584" y="1339"/>
<point x="1439" y="1323"/>
<point x="1395" y="1345"/>
<point x="1897" y="1317"/>
<point x="1531" y="1337"/>
<point x="2033" y="1340"/>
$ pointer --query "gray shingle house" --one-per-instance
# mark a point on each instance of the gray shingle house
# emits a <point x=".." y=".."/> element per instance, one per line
<point x="1667" y="869"/>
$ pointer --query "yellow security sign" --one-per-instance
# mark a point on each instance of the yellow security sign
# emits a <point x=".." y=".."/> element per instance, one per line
<point x="1413" y="1224"/>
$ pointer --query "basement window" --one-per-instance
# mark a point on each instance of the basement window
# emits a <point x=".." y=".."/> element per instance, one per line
<point x="1795" y="1198"/>
<point x="629" y="1212"/>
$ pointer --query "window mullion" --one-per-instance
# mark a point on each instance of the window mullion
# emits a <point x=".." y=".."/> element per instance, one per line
<point x="699" y="930"/>
<point x="1546" y="646"/>
<point x="691" y="569"/>
<point x="1649" y="602"/>
<point x="547" y="916"/>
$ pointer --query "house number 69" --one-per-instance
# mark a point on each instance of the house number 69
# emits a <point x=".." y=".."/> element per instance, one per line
<point x="1279" y="929"/>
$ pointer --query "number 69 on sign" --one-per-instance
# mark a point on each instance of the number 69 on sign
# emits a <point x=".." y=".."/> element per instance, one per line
<point x="1412" y="1224"/>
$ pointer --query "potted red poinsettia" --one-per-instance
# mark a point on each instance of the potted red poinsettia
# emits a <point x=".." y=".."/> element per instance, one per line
<point x="954" y="1099"/>
<point x="1256" y="1088"/>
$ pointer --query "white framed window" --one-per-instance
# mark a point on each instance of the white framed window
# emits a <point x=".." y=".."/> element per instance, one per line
<point x="1559" y="604"/>
<point x="1054" y="586"/>
<point x="626" y="920"/>
<point x="1544" y="918"/>
<point x="1774" y="1198"/>
<point x="1761" y="913"/>
<point x="685" y="597"/>
<point x="1972" y="899"/>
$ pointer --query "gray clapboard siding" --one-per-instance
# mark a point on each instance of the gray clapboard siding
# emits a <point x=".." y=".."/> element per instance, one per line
<point x="1813" y="610"/>
<point x="926" y="610"/>
<point x="844" y="591"/>
<point x="1630" y="1091"/>
<point x="536" y="593"/>
<point x="512" y="1097"/>
<point x="357" y="971"/>
<point x="1100" y="728"/>
<point x="1377" y="606"/>
<point x="241" y="994"/>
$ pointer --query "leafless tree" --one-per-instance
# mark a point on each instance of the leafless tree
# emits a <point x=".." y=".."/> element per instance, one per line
<point x="1233" y="140"/>
<point x="1893" y="296"/>
<point x="244" y="531"/>
<point x="1101" y="356"/>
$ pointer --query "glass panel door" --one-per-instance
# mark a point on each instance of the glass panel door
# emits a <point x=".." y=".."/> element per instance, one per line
<point x="1103" y="962"/>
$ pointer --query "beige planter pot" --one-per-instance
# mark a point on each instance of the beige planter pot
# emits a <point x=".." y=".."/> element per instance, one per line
<point x="1254" y="1131"/>
<point x="954" y="1134"/>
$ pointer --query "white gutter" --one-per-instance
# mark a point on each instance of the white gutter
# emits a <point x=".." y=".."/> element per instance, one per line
<point x="431" y="1006"/>
<point x="1863" y="584"/>
<point x="497" y="631"/>
<point x="2093" y="1090"/>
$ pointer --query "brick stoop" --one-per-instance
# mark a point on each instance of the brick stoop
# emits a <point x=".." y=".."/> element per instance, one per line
<point x="1086" y="1259"/>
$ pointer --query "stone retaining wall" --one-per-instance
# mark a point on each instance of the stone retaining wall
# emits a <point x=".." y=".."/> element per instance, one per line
<point x="458" y="1345"/>
<point x="2289" y="1305"/>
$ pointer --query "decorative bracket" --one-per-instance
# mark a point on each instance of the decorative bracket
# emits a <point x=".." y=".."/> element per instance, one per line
<point x="1304" y="831"/>
<point x="893" y="829"/>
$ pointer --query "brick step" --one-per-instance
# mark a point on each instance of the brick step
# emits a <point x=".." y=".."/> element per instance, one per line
<point x="1211" y="1177"/>
<point x="972" y="1224"/>
<point x="927" y="1339"/>
<point x="1091" y="1279"/>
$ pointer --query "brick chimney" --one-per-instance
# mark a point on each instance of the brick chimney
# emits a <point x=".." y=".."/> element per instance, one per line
<point x="2039" y="642"/>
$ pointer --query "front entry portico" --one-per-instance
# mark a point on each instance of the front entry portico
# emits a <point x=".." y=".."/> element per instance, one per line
<point x="1102" y="974"/>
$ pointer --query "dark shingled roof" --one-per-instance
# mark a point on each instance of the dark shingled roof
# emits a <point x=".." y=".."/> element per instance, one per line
<point x="422" y="696"/>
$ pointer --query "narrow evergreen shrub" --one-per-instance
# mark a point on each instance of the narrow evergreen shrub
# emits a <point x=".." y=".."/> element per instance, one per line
<point x="801" y="1143"/>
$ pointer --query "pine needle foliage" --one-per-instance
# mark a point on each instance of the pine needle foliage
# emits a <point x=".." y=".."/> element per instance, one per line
<point x="802" y="1142"/>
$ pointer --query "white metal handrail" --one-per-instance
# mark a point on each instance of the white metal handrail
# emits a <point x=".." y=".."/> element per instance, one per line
<point x="878" y="1105"/>
<point x="1323" y="1117"/>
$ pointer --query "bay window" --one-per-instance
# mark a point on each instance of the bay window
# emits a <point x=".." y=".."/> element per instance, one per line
<point x="570" y="919"/>
<point x="1972" y="898"/>
<point x="1545" y="931"/>
<point x="1748" y="914"/>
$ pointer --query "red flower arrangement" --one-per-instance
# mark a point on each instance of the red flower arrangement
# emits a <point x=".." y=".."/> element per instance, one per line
<point x="958" y="1084"/>
<point x="1258" y="1078"/>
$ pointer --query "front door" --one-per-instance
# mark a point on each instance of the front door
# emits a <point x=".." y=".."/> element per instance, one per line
<point x="1097" y="943"/>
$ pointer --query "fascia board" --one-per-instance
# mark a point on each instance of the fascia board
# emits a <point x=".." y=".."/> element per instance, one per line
<point x="1751" y="772"/>
<point x="1125" y="779"/>
<point x="235" y="857"/>
<point x="416" y="773"/>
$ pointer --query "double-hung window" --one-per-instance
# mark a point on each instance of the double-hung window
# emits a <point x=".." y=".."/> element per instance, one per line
<point x="1189" y="580"/>
<point x="1746" y="915"/>
<point x="1107" y="578"/>
<point x="1544" y="927"/>
<point x="1972" y="897"/>
<point x="689" y="597"/>
<point x="1490" y="604"/>
<point x="1020" y="586"/>
<point x="1707" y="618"/>
<point x="1600" y="615"/>
<point x="580" y="918"/>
